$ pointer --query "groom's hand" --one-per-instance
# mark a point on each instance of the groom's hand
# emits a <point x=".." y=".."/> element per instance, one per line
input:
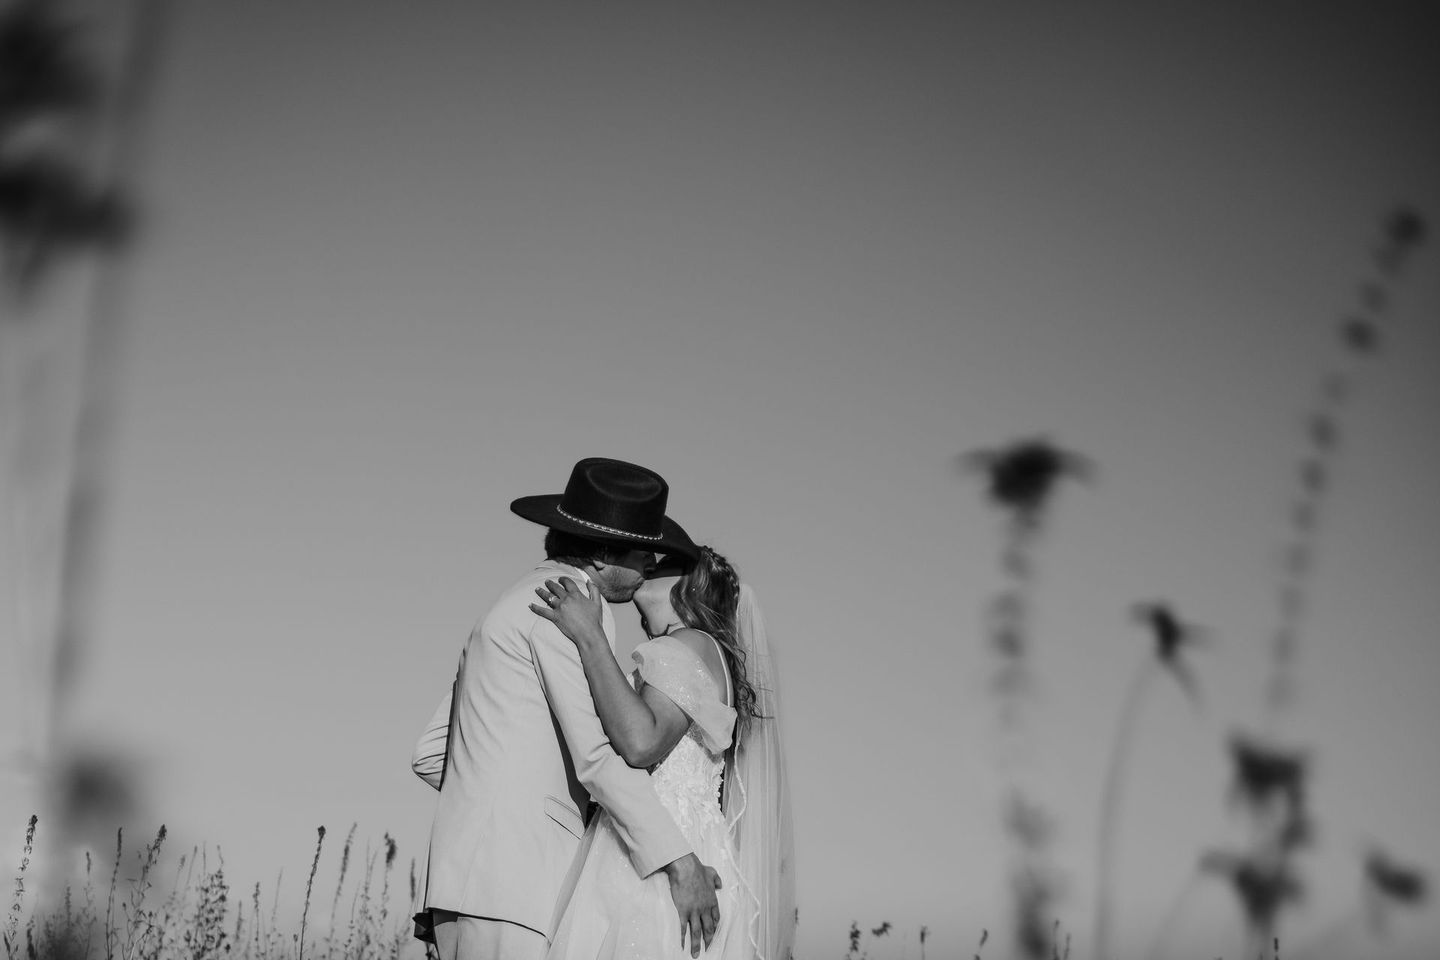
<point x="692" y="887"/>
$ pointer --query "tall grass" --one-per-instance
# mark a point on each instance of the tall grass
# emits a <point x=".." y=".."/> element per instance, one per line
<point x="198" y="919"/>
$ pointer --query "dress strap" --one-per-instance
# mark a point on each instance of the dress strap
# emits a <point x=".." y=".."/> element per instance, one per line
<point x="724" y="663"/>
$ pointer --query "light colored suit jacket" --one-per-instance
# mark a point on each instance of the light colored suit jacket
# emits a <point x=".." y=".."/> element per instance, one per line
<point x="517" y="750"/>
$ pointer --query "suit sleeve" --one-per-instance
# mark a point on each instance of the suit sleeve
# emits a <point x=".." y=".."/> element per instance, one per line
<point x="649" y="832"/>
<point x="428" y="758"/>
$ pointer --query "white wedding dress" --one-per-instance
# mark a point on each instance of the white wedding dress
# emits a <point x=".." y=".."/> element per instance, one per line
<point x="613" y="914"/>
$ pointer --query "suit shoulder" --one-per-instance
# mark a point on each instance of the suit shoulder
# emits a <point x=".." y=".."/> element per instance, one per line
<point x="519" y="595"/>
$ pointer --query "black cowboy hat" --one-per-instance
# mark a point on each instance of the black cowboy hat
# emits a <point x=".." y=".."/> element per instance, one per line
<point x="614" y="502"/>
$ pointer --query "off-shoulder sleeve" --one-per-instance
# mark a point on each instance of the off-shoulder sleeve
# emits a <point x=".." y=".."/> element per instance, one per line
<point x="676" y="671"/>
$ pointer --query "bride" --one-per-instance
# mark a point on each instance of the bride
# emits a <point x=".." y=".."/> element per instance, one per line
<point x="702" y="716"/>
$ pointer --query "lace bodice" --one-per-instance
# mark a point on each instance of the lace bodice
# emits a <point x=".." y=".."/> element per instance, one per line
<point x="687" y="780"/>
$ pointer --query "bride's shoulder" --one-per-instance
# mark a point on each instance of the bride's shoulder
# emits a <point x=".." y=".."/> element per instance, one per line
<point x="700" y="643"/>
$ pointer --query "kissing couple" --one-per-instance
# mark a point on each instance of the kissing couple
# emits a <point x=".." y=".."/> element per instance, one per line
<point x="587" y="815"/>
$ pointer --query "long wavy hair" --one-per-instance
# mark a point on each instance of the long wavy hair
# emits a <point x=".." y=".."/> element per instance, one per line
<point x="707" y="598"/>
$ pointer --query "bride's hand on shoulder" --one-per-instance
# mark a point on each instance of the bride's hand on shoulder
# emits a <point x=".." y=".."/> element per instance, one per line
<point x="575" y="611"/>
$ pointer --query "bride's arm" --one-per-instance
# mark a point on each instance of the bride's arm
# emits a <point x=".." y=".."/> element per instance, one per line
<point x="641" y="726"/>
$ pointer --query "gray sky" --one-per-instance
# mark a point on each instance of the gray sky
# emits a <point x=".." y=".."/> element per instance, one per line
<point x="406" y="267"/>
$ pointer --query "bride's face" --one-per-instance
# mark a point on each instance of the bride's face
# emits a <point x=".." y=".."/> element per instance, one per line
<point x="657" y="616"/>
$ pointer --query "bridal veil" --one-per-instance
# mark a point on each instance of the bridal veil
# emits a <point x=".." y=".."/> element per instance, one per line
<point x="757" y="803"/>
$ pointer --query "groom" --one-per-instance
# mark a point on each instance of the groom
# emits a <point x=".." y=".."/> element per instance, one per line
<point x="517" y="751"/>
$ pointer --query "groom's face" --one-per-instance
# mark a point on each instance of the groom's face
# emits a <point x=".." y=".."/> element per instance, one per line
<point x="619" y="578"/>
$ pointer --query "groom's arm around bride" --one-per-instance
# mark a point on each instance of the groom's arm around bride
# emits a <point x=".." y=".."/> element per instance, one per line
<point x="518" y="733"/>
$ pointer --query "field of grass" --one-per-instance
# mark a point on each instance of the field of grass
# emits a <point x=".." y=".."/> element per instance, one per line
<point x="158" y="907"/>
<point x="155" y="905"/>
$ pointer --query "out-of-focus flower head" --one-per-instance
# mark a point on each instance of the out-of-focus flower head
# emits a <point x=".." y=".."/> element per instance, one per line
<point x="1262" y="886"/>
<point x="1022" y="476"/>
<point x="1360" y="335"/>
<point x="1170" y="635"/>
<point x="1405" y="227"/>
<point x="1396" y="882"/>
<point x="1389" y="884"/>
<point x="42" y="68"/>
<point x="1404" y="230"/>
<point x="47" y="209"/>
<point x="1263" y="771"/>
<point x="1401" y="234"/>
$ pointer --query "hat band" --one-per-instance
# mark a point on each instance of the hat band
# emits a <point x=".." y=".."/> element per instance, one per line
<point x="604" y="529"/>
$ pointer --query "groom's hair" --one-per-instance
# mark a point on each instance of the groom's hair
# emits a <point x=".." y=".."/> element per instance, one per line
<point x="578" y="551"/>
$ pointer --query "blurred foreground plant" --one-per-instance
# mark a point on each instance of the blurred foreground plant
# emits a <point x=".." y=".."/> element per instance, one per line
<point x="1171" y="636"/>
<point x="1022" y="478"/>
<point x="1269" y="782"/>
<point x="71" y="139"/>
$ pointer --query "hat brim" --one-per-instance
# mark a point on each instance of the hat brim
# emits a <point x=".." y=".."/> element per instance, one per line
<point x="543" y="509"/>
